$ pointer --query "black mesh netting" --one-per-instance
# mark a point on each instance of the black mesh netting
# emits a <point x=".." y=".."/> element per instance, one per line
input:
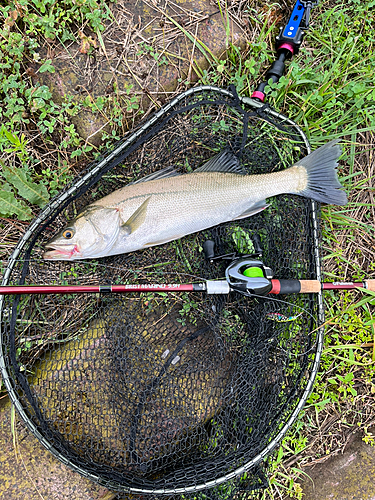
<point x="168" y="393"/>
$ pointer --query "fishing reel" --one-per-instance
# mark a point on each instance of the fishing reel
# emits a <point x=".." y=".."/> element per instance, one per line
<point x="249" y="276"/>
<point x="246" y="274"/>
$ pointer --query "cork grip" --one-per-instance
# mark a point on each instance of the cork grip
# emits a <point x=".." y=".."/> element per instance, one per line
<point x="370" y="285"/>
<point x="310" y="286"/>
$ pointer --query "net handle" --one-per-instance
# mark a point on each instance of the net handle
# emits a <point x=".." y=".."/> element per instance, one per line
<point x="287" y="44"/>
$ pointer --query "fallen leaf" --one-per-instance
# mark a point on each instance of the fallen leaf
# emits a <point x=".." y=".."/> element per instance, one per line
<point x="86" y="43"/>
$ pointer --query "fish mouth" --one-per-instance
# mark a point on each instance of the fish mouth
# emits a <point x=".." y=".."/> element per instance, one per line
<point x="58" y="252"/>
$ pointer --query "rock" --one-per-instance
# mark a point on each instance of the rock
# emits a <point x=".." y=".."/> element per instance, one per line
<point x="146" y="49"/>
<point x="349" y="476"/>
<point x="31" y="472"/>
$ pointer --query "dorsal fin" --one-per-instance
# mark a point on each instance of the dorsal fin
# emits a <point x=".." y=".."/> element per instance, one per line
<point x="222" y="162"/>
<point x="160" y="174"/>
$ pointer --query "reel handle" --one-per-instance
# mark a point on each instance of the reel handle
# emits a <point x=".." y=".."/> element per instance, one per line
<point x="258" y="250"/>
<point x="209" y="250"/>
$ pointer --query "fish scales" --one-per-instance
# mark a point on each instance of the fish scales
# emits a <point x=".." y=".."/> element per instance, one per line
<point x="193" y="202"/>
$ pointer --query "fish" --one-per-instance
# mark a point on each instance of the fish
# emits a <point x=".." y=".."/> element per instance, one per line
<point x="166" y="206"/>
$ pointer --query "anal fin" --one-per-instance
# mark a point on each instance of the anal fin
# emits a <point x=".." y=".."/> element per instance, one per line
<point x="254" y="209"/>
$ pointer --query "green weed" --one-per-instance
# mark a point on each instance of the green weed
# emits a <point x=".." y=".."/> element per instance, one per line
<point x="145" y="48"/>
<point x="23" y="103"/>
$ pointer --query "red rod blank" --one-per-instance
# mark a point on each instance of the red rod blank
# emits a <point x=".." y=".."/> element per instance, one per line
<point x="66" y="289"/>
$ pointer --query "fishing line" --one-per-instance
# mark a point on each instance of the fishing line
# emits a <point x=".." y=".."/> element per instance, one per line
<point x="281" y="301"/>
<point x="294" y="306"/>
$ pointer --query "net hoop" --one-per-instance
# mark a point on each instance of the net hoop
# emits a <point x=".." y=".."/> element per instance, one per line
<point x="59" y="199"/>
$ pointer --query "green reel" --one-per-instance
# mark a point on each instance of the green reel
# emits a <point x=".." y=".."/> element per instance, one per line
<point x="249" y="276"/>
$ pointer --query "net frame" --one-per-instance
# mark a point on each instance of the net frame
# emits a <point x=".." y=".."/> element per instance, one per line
<point x="130" y="142"/>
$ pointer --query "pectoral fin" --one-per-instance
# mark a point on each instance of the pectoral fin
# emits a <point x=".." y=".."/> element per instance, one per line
<point x="137" y="219"/>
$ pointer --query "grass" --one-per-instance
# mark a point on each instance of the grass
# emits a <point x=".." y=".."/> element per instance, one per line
<point x="328" y="89"/>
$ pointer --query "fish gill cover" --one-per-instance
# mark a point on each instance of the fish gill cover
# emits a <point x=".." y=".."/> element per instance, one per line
<point x="169" y="393"/>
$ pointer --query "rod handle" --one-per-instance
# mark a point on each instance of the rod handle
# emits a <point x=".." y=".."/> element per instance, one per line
<point x="286" y="287"/>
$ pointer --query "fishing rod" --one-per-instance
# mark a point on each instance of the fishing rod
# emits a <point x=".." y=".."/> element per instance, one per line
<point x="245" y="274"/>
<point x="248" y="286"/>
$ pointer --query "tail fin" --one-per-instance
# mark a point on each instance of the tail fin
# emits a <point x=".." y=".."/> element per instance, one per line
<point x="322" y="182"/>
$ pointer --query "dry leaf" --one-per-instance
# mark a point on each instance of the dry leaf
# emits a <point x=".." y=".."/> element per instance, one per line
<point x="87" y="42"/>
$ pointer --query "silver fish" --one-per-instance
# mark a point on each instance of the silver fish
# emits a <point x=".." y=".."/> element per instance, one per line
<point x="166" y="206"/>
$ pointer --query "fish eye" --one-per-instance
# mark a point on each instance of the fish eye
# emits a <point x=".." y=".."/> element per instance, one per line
<point x="68" y="234"/>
